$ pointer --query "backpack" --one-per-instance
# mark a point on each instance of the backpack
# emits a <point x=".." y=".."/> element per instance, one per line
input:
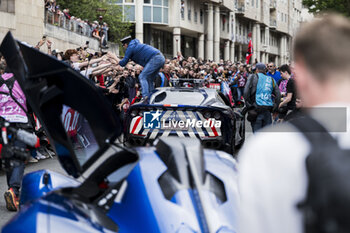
<point x="252" y="89"/>
<point x="10" y="83"/>
<point x="326" y="208"/>
<point x="264" y="90"/>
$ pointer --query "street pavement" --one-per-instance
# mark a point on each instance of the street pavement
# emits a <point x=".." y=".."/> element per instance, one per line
<point x="51" y="164"/>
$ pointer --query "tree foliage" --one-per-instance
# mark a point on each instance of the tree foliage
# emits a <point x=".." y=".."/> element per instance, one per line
<point x="92" y="9"/>
<point x="317" y="6"/>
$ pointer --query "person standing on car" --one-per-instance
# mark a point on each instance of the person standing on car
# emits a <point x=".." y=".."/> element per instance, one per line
<point x="273" y="175"/>
<point x="145" y="55"/>
<point x="262" y="96"/>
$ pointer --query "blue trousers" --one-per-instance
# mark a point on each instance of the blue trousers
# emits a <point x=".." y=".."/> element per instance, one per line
<point x="263" y="119"/>
<point x="150" y="72"/>
<point x="14" y="176"/>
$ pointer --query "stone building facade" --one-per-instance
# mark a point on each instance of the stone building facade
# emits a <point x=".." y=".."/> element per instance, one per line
<point x="217" y="29"/>
<point x="24" y="18"/>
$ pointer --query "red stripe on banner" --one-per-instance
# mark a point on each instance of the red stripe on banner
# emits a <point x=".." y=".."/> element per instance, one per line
<point x="136" y="124"/>
<point x="214" y="131"/>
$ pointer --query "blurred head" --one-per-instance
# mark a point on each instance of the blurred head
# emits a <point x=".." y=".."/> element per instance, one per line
<point x="72" y="55"/>
<point x="125" y="41"/>
<point x="125" y="73"/>
<point x="271" y="67"/>
<point x="166" y="68"/>
<point x="322" y="58"/>
<point x="260" y="68"/>
<point x="285" y="71"/>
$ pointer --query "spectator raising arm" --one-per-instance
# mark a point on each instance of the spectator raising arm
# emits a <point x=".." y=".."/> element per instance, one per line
<point x="49" y="44"/>
<point x="85" y="63"/>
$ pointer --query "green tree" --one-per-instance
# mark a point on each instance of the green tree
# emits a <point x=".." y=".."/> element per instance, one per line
<point x="92" y="9"/>
<point x="317" y="6"/>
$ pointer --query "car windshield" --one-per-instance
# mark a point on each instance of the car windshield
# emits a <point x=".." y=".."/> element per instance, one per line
<point x="178" y="97"/>
<point x="80" y="134"/>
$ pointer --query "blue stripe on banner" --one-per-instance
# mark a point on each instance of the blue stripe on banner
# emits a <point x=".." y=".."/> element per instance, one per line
<point x="205" y="131"/>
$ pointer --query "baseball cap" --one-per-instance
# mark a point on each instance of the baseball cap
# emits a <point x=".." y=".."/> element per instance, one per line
<point x="260" y="66"/>
<point x="125" y="40"/>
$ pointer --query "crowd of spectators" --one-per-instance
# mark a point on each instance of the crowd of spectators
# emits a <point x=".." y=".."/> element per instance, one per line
<point x="121" y="84"/>
<point x="97" y="29"/>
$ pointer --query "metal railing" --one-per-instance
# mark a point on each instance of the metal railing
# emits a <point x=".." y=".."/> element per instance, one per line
<point x="71" y="25"/>
<point x="273" y="23"/>
<point x="240" y="8"/>
<point x="273" y="4"/>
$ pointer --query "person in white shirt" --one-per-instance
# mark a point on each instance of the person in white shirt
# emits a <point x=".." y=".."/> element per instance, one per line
<point x="273" y="177"/>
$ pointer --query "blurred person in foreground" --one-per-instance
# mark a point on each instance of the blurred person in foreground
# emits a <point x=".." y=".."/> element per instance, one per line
<point x="273" y="175"/>
<point x="145" y="55"/>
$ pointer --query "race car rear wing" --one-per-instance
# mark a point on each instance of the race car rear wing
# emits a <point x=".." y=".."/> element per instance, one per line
<point x="183" y="82"/>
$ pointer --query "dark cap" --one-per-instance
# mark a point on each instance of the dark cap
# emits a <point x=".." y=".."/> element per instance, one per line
<point x="260" y="66"/>
<point x="126" y="40"/>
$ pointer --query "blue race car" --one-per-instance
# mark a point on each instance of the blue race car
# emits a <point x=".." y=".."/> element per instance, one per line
<point x="202" y="113"/>
<point x="175" y="186"/>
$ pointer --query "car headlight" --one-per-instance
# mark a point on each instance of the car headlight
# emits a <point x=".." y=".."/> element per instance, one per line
<point x="207" y="115"/>
<point x="217" y="115"/>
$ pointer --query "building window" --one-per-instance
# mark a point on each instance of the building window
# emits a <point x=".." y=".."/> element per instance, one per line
<point x="129" y="12"/>
<point x="201" y="16"/>
<point x="128" y="7"/>
<point x="157" y="2"/>
<point x="165" y="15"/>
<point x="252" y="3"/>
<point x="223" y="19"/>
<point x="147" y="14"/>
<point x="182" y="9"/>
<point x="7" y="6"/>
<point x="257" y="3"/>
<point x="189" y="14"/>
<point x="195" y="17"/>
<point x="157" y="14"/>
<point x="156" y="11"/>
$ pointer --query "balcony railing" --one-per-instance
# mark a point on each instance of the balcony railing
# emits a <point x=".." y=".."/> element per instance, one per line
<point x="240" y="8"/>
<point x="273" y="23"/>
<point x="241" y="39"/>
<point x="71" y="25"/>
<point x="273" y="4"/>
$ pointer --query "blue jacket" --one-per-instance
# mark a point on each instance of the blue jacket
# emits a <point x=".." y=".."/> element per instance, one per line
<point x="139" y="53"/>
<point x="276" y="76"/>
